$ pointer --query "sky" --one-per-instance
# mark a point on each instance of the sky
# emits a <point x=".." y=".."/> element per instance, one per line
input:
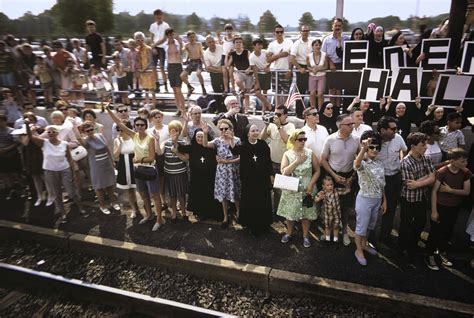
<point x="287" y="12"/>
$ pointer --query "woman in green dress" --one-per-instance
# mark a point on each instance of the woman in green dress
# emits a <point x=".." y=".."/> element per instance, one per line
<point x="299" y="162"/>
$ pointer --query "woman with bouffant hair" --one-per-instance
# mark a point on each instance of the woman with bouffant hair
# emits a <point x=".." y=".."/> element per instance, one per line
<point x="299" y="162"/>
<point x="100" y="163"/>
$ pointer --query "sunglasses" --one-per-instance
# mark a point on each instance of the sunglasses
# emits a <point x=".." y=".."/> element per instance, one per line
<point x="279" y="114"/>
<point x="224" y="128"/>
<point x="328" y="107"/>
<point x="302" y="139"/>
<point x="89" y="130"/>
<point x="140" y="125"/>
<point x="279" y="32"/>
<point x="304" y="31"/>
<point x="392" y="128"/>
<point x="122" y="110"/>
<point x="374" y="147"/>
<point x="313" y="114"/>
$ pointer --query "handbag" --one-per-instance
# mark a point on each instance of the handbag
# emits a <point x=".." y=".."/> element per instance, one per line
<point x="286" y="182"/>
<point x="78" y="153"/>
<point x="145" y="172"/>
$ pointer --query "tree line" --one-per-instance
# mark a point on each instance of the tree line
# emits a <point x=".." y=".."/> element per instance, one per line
<point x="67" y="17"/>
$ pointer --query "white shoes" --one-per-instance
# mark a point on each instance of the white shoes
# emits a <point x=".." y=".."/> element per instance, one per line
<point x="104" y="210"/>
<point x="38" y="201"/>
<point x="144" y="220"/>
<point x="133" y="214"/>
<point x="156" y="227"/>
<point x="116" y="207"/>
<point x="49" y="202"/>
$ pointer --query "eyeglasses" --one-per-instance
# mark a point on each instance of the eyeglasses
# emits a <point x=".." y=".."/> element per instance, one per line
<point x="279" y="114"/>
<point x="279" y="32"/>
<point x="374" y="147"/>
<point x="122" y="110"/>
<point x="392" y="128"/>
<point x="302" y="139"/>
<point x="349" y="124"/>
<point x="224" y="128"/>
<point x="140" y="125"/>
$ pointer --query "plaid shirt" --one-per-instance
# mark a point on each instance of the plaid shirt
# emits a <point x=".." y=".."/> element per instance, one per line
<point x="332" y="207"/>
<point x="413" y="169"/>
<point x="451" y="139"/>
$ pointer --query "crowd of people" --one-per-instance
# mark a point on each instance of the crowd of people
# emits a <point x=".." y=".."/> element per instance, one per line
<point x="337" y="162"/>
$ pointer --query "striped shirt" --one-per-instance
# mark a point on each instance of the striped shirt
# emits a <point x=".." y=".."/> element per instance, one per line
<point x="414" y="169"/>
<point x="173" y="165"/>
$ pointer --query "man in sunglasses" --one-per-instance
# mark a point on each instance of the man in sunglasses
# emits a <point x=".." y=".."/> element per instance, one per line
<point x="123" y="114"/>
<point x="337" y="158"/>
<point x="278" y="55"/>
<point x="315" y="133"/>
<point x="277" y="134"/>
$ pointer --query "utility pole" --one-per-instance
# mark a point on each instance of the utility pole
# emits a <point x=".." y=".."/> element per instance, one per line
<point x="340" y="9"/>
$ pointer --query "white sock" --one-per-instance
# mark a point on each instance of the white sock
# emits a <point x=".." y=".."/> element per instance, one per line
<point x="328" y="237"/>
<point x="336" y="239"/>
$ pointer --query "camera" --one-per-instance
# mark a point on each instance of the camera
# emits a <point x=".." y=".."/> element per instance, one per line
<point x="308" y="201"/>
<point x="268" y="118"/>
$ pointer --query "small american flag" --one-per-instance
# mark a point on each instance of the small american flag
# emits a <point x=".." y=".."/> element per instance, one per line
<point x="293" y="96"/>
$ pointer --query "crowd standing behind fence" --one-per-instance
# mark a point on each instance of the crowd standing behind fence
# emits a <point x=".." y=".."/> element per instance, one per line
<point x="332" y="160"/>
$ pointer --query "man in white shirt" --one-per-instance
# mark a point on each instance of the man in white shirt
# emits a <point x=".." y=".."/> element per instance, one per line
<point x="261" y="71"/>
<point x="278" y="55"/>
<point x="300" y="49"/>
<point x="158" y="40"/>
<point x="359" y="126"/>
<point x="315" y="133"/>
<point x="333" y="46"/>
<point x="212" y="62"/>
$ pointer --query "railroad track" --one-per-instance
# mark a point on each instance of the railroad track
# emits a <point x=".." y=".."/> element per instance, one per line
<point x="16" y="277"/>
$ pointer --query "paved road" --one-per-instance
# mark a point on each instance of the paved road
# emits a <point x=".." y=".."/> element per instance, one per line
<point x="388" y="270"/>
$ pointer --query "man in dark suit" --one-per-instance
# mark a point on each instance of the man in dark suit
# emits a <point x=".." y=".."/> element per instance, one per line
<point x="238" y="120"/>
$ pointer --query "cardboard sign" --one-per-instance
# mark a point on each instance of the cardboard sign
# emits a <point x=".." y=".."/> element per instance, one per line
<point x="394" y="57"/>
<point x="451" y="90"/>
<point x="372" y="84"/>
<point x="405" y="84"/>
<point x="436" y="53"/>
<point x="355" y="55"/>
<point x="467" y="64"/>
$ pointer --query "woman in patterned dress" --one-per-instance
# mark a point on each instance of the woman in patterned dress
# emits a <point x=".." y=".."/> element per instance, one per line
<point x="227" y="184"/>
<point x="299" y="162"/>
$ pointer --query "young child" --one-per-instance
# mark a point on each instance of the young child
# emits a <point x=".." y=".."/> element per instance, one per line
<point x="331" y="207"/>
<point x="132" y="57"/>
<point x="42" y="71"/>
<point x="451" y="135"/>
<point x="452" y="183"/>
<point x="195" y="57"/>
<point x="118" y="70"/>
<point x="9" y="107"/>
<point x="99" y="80"/>
<point x="371" y="196"/>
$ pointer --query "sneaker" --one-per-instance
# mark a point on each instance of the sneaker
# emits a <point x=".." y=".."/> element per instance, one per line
<point x="156" y="227"/>
<point x="346" y="240"/>
<point x="372" y="251"/>
<point x="104" y="210"/>
<point x="116" y="207"/>
<point x="306" y="242"/>
<point x="361" y="260"/>
<point x="444" y="260"/>
<point x="285" y="239"/>
<point x="144" y="220"/>
<point x="133" y="214"/>
<point x="431" y="263"/>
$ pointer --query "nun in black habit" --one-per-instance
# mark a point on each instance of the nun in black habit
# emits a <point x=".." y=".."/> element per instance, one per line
<point x="256" y="178"/>
<point x="202" y="164"/>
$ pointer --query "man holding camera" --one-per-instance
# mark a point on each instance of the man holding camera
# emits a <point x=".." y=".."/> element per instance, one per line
<point x="277" y="132"/>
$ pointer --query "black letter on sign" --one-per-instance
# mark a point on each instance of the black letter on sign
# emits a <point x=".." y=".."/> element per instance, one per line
<point x="355" y="55"/>
<point x="402" y="89"/>
<point x="394" y="57"/>
<point x="451" y="90"/>
<point x="436" y="53"/>
<point x="467" y="64"/>
<point x="372" y="84"/>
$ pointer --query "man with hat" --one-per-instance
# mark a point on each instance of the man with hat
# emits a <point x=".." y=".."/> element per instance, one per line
<point x="239" y="121"/>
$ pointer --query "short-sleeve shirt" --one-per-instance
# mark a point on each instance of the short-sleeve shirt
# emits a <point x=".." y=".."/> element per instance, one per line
<point x="275" y="48"/>
<point x="316" y="138"/>
<point x="259" y="61"/>
<point x="300" y="50"/>
<point x="451" y="139"/>
<point x="340" y="152"/>
<point x="360" y="130"/>
<point x="329" y="47"/>
<point x="94" y="40"/>
<point x="414" y="169"/>
<point x="455" y="181"/>
<point x="158" y="31"/>
<point x="371" y="178"/>
<point x="389" y="154"/>
<point x="277" y="146"/>
<point x="213" y="58"/>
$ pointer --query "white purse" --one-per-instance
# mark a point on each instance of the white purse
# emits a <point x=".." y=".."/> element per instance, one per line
<point x="78" y="153"/>
<point x="286" y="182"/>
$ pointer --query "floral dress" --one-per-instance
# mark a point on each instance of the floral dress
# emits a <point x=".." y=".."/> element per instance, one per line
<point x="291" y="203"/>
<point x="227" y="184"/>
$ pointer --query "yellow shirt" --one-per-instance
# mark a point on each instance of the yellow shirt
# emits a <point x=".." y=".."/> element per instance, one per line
<point x="140" y="148"/>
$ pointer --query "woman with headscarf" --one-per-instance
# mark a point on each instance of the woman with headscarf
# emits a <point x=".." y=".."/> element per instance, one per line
<point x="202" y="164"/>
<point x="357" y="35"/>
<point x="256" y="179"/>
<point x="376" y="44"/>
<point x="300" y="162"/>
<point x="398" y="39"/>
<point x="327" y="117"/>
